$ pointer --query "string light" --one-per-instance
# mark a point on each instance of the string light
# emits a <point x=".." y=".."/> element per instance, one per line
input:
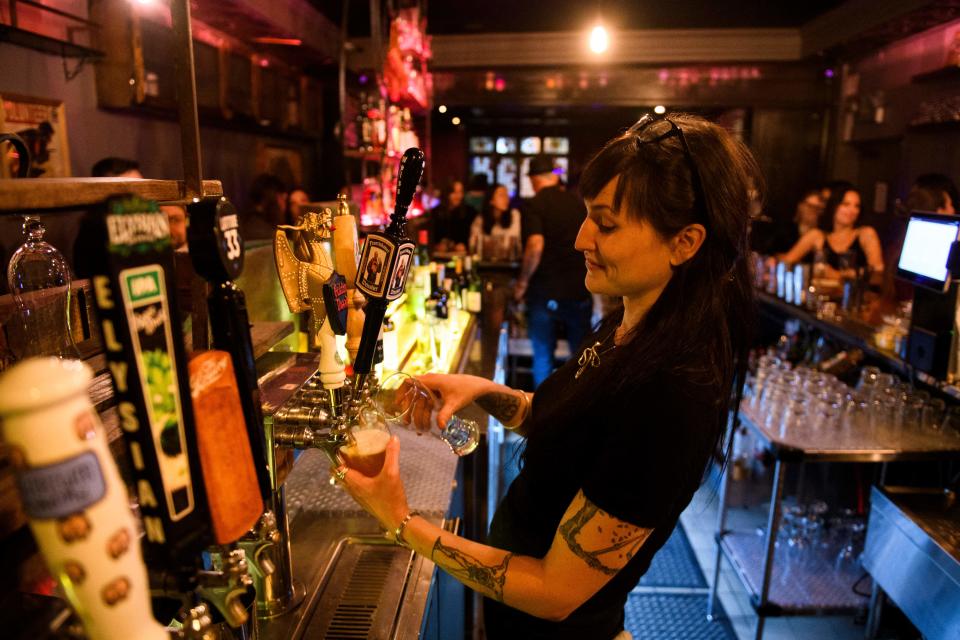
<point x="660" y="109"/>
<point x="442" y="108"/>
<point x="455" y="120"/>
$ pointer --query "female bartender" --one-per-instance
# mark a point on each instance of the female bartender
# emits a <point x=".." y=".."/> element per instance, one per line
<point x="844" y="245"/>
<point x="617" y="439"/>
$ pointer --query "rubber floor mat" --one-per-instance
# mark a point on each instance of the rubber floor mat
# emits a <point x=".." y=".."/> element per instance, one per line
<point x="675" y="565"/>
<point x="659" y="616"/>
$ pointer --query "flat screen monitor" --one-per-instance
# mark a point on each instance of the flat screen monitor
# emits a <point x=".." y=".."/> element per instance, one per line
<point x="926" y="248"/>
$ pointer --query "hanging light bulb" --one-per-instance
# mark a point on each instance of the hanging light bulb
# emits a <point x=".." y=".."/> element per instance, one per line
<point x="599" y="39"/>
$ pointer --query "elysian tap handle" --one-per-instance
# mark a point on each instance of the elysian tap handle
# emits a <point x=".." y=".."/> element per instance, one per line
<point x="385" y="261"/>
<point x="140" y="324"/>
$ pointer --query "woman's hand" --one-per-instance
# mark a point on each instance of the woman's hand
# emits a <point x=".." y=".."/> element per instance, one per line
<point x="382" y="496"/>
<point x="453" y="392"/>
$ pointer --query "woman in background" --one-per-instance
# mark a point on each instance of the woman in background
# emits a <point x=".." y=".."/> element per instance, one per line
<point x="845" y="247"/>
<point x="451" y="220"/>
<point x="497" y="227"/>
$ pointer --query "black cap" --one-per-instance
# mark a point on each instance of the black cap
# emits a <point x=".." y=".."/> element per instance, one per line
<point x="539" y="165"/>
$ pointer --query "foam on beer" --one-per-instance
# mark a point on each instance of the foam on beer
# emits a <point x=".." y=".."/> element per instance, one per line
<point x="368" y="451"/>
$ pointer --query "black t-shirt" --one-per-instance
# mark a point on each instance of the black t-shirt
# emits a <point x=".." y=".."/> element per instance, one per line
<point x="556" y="215"/>
<point x="637" y="453"/>
<point x="452" y="224"/>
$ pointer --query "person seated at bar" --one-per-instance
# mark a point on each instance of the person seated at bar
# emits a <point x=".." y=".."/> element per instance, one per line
<point x="948" y="199"/>
<point x="805" y="217"/>
<point x="844" y="246"/>
<point x="268" y="195"/>
<point x="495" y="233"/>
<point x="297" y="197"/>
<point x="618" y="439"/>
<point x="451" y="219"/>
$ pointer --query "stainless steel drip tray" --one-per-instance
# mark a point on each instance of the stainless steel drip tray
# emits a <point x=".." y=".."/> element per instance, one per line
<point x="358" y="583"/>
<point x="361" y="595"/>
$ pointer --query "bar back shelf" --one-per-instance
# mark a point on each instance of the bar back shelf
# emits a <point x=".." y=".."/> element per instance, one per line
<point x="38" y="195"/>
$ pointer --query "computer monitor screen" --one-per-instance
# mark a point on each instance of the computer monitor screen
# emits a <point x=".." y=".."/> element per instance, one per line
<point x="926" y="248"/>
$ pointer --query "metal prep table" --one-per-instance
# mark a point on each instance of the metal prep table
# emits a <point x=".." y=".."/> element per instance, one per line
<point x="913" y="555"/>
<point x="814" y="588"/>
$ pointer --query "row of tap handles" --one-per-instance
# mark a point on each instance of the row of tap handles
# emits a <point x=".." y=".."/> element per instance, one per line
<point x="202" y="459"/>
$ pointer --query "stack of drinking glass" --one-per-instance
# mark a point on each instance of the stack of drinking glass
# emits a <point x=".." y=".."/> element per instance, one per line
<point x="785" y="398"/>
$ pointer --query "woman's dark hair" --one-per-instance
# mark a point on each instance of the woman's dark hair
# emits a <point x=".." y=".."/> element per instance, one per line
<point x="490" y="218"/>
<point x="448" y="189"/>
<point x="701" y="326"/>
<point x="940" y="182"/>
<point x="833" y="203"/>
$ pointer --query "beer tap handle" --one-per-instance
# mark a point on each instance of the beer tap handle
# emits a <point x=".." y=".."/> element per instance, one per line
<point x="228" y="467"/>
<point x="140" y="323"/>
<point x="385" y="262"/>
<point x="74" y="497"/>
<point x="217" y="255"/>
<point x="345" y="246"/>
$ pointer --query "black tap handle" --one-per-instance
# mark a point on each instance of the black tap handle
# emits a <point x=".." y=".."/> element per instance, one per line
<point x="386" y="259"/>
<point x="216" y="250"/>
<point x="408" y="177"/>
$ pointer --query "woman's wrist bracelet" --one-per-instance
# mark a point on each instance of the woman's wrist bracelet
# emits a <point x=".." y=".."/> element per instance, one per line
<point x="521" y="413"/>
<point x="398" y="532"/>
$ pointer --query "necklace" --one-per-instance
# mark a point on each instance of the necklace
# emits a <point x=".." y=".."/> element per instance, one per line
<point x="591" y="355"/>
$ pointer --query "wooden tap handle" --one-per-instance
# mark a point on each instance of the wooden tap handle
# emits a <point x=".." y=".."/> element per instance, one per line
<point x="225" y="455"/>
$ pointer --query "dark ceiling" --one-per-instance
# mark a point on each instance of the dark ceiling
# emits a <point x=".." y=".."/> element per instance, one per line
<point x="492" y="16"/>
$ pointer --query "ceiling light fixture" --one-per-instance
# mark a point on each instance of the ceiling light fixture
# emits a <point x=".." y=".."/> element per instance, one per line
<point x="455" y="120"/>
<point x="599" y="39"/>
<point x="442" y="108"/>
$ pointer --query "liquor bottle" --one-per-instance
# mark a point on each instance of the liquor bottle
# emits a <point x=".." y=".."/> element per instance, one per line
<point x="474" y="288"/>
<point x="73" y="495"/>
<point x="439" y="293"/>
<point x="423" y="248"/>
<point x="365" y="126"/>
<point x="385" y="262"/>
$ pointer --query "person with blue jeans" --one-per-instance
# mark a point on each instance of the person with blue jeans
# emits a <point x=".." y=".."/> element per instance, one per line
<point x="552" y="274"/>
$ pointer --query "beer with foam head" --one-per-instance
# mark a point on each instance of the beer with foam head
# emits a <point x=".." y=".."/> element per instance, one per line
<point x="368" y="451"/>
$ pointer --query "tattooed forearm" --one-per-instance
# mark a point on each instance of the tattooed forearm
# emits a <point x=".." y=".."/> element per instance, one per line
<point x="621" y="540"/>
<point x="502" y="406"/>
<point x="467" y="569"/>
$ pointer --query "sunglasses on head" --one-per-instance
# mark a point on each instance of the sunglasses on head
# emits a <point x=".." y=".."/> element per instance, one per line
<point x="644" y="123"/>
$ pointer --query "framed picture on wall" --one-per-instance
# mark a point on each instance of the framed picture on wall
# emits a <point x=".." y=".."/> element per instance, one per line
<point x="284" y="162"/>
<point x="42" y="123"/>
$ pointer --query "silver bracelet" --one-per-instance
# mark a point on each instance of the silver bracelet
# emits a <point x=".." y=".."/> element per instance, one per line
<point x="398" y="532"/>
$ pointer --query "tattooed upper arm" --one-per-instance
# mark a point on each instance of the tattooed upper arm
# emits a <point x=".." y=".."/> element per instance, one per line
<point x="604" y="542"/>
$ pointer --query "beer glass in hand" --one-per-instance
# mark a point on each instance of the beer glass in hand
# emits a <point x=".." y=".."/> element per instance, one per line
<point x="368" y="447"/>
<point x="403" y="399"/>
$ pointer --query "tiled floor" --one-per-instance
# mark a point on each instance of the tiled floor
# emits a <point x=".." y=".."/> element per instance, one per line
<point x="700" y="523"/>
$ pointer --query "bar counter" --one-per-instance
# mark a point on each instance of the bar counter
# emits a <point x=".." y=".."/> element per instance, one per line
<point x="356" y="580"/>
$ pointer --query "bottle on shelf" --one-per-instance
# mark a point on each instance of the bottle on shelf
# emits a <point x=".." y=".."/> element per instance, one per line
<point x="438" y="294"/>
<point x="474" y="295"/>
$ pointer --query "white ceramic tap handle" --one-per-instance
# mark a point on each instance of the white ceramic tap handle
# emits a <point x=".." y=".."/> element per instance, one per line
<point x="72" y="493"/>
